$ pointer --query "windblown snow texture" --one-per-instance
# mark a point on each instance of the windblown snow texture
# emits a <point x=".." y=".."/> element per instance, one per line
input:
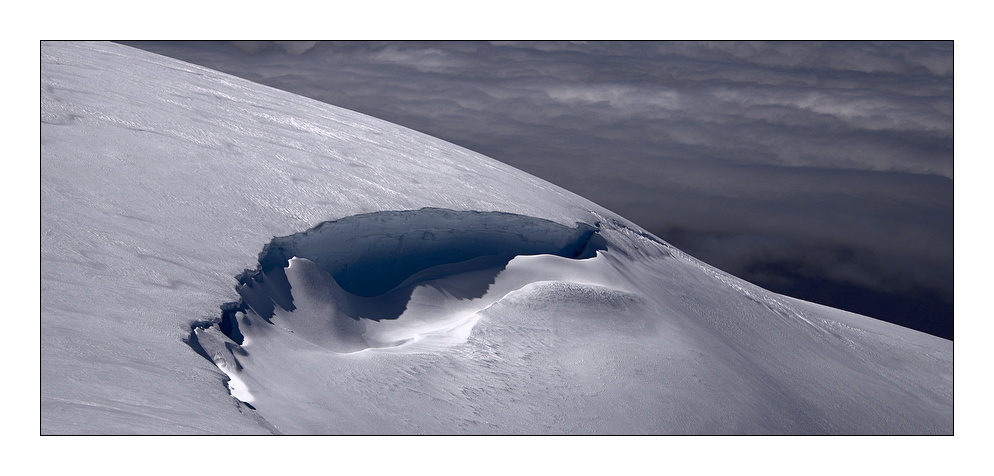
<point x="415" y="287"/>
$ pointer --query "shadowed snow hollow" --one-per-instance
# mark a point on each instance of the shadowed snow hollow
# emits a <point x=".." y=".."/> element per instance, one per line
<point x="386" y="279"/>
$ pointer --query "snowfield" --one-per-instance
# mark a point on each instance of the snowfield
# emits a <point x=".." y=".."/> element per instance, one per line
<point x="220" y="257"/>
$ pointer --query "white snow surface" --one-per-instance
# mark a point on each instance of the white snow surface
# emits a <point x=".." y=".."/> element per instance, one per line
<point x="433" y="301"/>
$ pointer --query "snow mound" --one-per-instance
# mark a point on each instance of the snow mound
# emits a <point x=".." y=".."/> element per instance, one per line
<point x="415" y="282"/>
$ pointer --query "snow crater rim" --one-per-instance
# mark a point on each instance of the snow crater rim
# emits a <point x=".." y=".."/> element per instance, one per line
<point x="377" y="259"/>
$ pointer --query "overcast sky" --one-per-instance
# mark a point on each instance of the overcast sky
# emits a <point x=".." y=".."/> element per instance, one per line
<point x="818" y="170"/>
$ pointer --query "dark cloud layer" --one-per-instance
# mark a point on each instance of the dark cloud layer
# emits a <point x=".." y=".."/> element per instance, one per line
<point x="821" y="170"/>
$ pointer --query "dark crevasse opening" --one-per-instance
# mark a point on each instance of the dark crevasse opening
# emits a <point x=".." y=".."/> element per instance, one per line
<point x="378" y="258"/>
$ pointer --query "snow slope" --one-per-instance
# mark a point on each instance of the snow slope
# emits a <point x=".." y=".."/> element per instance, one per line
<point x="222" y="257"/>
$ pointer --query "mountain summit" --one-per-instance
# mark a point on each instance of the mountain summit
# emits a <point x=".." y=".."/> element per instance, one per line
<point x="219" y="256"/>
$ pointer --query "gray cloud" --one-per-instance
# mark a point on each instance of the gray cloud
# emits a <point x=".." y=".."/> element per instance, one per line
<point x="290" y="47"/>
<point x="831" y="159"/>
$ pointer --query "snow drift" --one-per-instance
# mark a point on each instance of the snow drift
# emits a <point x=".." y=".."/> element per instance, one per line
<point x="412" y="286"/>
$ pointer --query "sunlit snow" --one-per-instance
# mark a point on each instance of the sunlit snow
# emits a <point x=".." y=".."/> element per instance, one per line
<point x="222" y="257"/>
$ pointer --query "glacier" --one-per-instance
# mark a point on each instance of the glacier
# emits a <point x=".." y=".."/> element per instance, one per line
<point x="220" y="257"/>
